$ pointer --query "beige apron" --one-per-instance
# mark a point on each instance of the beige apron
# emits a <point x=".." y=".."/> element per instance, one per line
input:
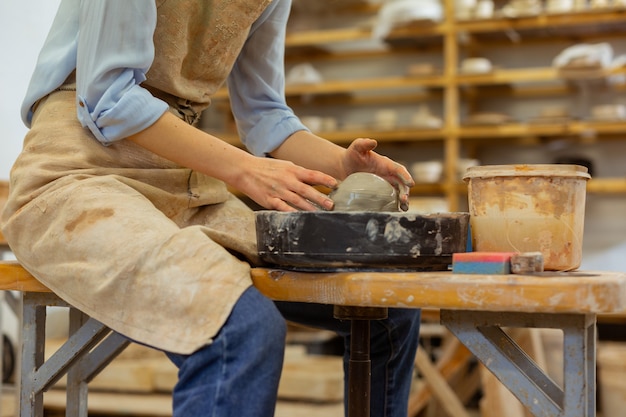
<point x="150" y="249"/>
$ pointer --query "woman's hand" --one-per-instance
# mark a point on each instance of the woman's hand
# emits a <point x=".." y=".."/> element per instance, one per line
<point x="282" y="185"/>
<point x="311" y="151"/>
<point x="360" y="157"/>
<point x="272" y="183"/>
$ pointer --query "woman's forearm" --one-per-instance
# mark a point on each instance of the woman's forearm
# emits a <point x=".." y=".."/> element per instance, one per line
<point x="313" y="152"/>
<point x="272" y="183"/>
<point x="175" y="140"/>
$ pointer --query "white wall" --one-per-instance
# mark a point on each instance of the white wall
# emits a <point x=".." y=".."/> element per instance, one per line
<point x="23" y="28"/>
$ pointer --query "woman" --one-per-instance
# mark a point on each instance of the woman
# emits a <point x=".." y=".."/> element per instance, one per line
<point x="119" y="204"/>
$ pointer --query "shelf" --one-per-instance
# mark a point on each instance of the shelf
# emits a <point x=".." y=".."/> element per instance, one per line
<point x="529" y="75"/>
<point x="509" y="76"/>
<point x="582" y="129"/>
<point x="400" y="134"/>
<point x="347" y="136"/>
<point x="330" y="36"/>
<point x="497" y="77"/>
<point x="331" y="87"/>
<point x="615" y="19"/>
<point x="607" y="186"/>
<point x="369" y="84"/>
<point x="528" y="91"/>
<point x="572" y="128"/>
<point x="547" y="21"/>
<point x="321" y="37"/>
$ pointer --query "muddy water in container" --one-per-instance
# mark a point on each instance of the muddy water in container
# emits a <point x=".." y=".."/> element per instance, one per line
<point x="527" y="208"/>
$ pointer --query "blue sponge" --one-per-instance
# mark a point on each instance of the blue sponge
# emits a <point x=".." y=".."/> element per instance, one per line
<point x="488" y="263"/>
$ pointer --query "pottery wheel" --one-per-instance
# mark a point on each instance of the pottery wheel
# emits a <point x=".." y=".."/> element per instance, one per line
<point x="338" y="240"/>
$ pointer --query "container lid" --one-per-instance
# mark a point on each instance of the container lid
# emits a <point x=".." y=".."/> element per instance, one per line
<point x="527" y="170"/>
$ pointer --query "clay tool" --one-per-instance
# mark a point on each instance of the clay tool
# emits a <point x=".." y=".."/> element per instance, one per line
<point x="527" y="263"/>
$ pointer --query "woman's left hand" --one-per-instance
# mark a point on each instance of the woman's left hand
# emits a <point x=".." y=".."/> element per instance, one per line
<point x="360" y="157"/>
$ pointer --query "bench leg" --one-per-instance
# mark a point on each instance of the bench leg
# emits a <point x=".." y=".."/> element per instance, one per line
<point x="89" y="365"/>
<point x="33" y="341"/>
<point x="76" y="390"/>
<point x="90" y="348"/>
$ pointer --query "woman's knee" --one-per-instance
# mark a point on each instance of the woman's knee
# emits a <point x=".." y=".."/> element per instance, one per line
<point x="254" y="325"/>
<point x="259" y="320"/>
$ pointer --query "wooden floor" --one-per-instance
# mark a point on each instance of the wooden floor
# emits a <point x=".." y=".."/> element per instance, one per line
<point x="144" y="406"/>
<point x="283" y="409"/>
<point x="8" y="403"/>
<point x="131" y="405"/>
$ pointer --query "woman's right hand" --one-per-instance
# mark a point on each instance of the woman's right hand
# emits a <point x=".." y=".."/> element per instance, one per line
<point x="282" y="185"/>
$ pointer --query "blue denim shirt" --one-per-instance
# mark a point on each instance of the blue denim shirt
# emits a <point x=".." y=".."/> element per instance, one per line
<point x="111" y="46"/>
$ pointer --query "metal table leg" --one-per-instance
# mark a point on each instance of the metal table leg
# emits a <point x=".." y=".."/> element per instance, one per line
<point x="360" y="365"/>
<point x="482" y="334"/>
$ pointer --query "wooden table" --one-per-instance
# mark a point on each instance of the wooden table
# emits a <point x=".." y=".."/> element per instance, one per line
<point x="475" y="308"/>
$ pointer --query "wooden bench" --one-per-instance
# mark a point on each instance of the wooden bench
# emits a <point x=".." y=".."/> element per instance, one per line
<point x="89" y="348"/>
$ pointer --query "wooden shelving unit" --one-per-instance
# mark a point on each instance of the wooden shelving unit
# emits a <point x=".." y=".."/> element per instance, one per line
<point x="453" y="40"/>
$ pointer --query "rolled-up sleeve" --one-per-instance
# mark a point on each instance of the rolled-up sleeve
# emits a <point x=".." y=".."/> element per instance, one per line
<point x="257" y="84"/>
<point x="114" y="52"/>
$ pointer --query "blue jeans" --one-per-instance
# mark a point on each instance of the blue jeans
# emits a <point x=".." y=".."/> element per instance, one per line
<point x="238" y="374"/>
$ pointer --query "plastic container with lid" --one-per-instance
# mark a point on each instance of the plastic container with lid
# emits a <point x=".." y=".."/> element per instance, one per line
<point x="528" y="208"/>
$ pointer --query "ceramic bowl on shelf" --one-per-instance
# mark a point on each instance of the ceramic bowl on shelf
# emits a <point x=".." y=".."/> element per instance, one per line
<point x="427" y="171"/>
<point x="609" y="112"/>
<point x="600" y="4"/>
<point x="386" y="119"/>
<point x="580" y="5"/>
<point x="477" y="65"/>
<point x="315" y="123"/>
<point x="585" y="55"/>
<point x="488" y="119"/>
<point x="398" y="13"/>
<point x="424" y="119"/>
<point x="559" y="6"/>
<point x="427" y="205"/>
<point x="319" y="123"/>
<point x="522" y="8"/>
<point x="554" y="111"/>
<point x="484" y="9"/>
<point x="551" y="115"/>
<point x="464" y="8"/>
<point x="304" y="73"/>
